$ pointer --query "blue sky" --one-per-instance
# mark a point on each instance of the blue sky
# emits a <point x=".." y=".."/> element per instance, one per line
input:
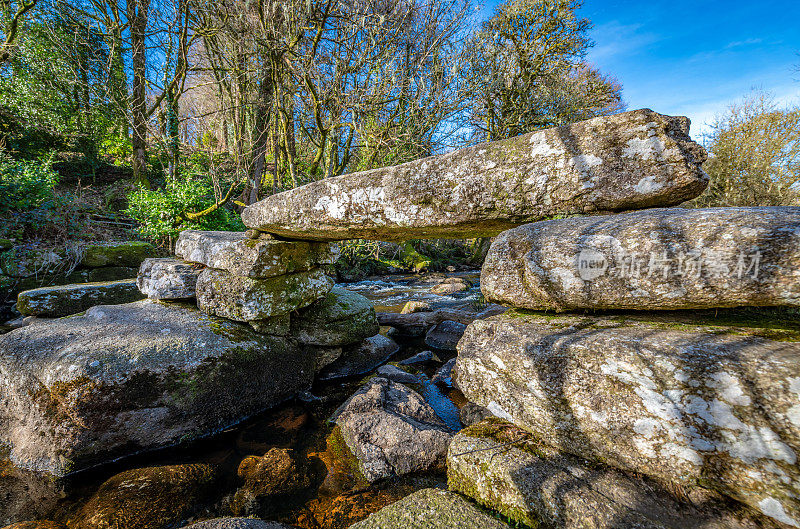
<point x="694" y="58"/>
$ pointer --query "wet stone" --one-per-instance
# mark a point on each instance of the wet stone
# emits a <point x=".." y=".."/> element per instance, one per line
<point x="146" y="498"/>
<point x="361" y="358"/>
<point x="445" y="335"/>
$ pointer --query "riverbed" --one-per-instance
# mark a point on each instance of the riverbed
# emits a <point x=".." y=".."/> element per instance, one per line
<point x="336" y="497"/>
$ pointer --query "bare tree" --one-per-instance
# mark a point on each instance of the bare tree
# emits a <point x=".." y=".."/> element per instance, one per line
<point x="12" y="19"/>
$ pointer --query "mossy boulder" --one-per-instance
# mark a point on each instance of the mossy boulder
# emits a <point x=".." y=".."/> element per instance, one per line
<point x="125" y="253"/>
<point x="431" y="509"/>
<point x="649" y="260"/>
<point x="146" y="498"/>
<point x="510" y="471"/>
<point x="58" y="301"/>
<point x="632" y="160"/>
<point x="108" y="273"/>
<point x="685" y="403"/>
<point x="276" y="325"/>
<point x="341" y="318"/>
<point x="245" y="299"/>
<point x="121" y="379"/>
<point x="6" y="244"/>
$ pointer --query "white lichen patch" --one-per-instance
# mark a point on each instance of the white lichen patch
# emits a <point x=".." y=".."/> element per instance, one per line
<point x="675" y="416"/>
<point x="648" y="148"/>
<point x="648" y="184"/>
<point x="773" y="508"/>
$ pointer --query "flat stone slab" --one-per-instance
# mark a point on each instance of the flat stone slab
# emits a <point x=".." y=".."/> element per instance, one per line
<point x="244" y="299"/>
<point x="168" y="279"/>
<point x="627" y="161"/>
<point x="58" y="301"/>
<point x="681" y="403"/>
<point x="254" y="258"/>
<point x="431" y="509"/>
<point x="125" y="253"/>
<point x="391" y="430"/>
<point x="340" y="318"/>
<point x="507" y="470"/>
<point x="655" y="259"/>
<point x="84" y="390"/>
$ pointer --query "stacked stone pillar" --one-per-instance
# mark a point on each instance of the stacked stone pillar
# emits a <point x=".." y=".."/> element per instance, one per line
<point x="660" y="343"/>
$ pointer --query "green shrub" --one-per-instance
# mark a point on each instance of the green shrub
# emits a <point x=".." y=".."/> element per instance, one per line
<point x="25" y="185"/>
<point x="161" y="212"/>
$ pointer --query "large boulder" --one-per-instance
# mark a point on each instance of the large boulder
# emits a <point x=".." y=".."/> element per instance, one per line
<point x="628" y="161"/>
<point x="54" y="302"/>
<point x="168" y="279"/>
<point x="146" y="498"/>
<point x="341" y="318"/>
<point x="126" y="253"/>
<point x="684" y="403"/>
<point x="514" y="473"/>
<point x="245" y="299"/>
<point x="391" y="430"/>
<point x="79" y="391"/>
<point x="431" y="509"/>
<point x="254" y="258"/>
<point x="655" y="259"/>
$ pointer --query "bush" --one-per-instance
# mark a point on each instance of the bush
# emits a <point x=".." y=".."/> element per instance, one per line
<point x="754" y="155"/>
<point x="25" y="185"/>
<point x="161" y="212"/>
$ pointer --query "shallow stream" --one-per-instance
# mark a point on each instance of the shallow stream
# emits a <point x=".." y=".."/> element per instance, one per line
<point x="336" y="498"/>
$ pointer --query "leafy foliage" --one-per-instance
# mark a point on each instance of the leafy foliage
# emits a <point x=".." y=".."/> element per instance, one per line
<point x="527" y="70"/>
<point x="754" y="155"/>
<point x="25" y="185"/>
<point x="162" y="212"/>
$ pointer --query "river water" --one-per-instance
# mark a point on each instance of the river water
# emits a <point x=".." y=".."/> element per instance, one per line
<point x="336" y="498"/>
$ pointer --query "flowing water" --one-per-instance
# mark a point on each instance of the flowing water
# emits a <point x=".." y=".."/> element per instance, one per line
<point x="336" y="498"/>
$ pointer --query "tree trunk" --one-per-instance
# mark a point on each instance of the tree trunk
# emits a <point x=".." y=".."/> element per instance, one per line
<point x="137" y="17"/>
<point x="260" y="136"/>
